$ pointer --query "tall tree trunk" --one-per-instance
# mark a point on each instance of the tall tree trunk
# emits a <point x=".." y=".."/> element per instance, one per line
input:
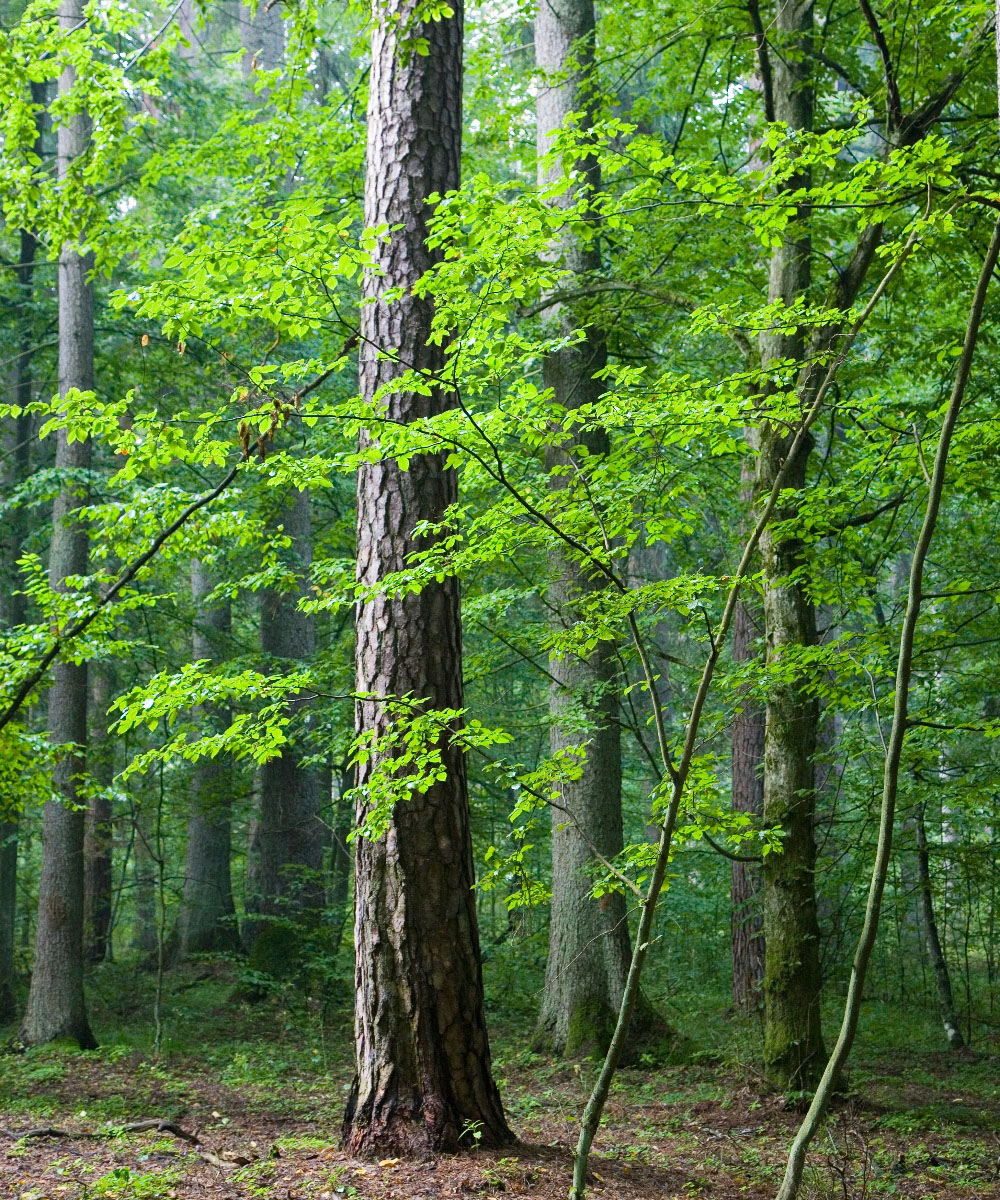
<point x="747" y="933"/>
<point x="12" y="602"/>
<point x="98" y="883"/>
<point x="589" y="949"/>
<point x="935" y="951"/>
<point x="289" y="838"/>
<point x="206" y="921"/>
<point x="793" y="1045"/>
<point x="56" y="1006"/>
<point x="423" y="1075"/>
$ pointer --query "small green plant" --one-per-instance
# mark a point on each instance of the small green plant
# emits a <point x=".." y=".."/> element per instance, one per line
<point x="499" y="1175"/>
<point x="256" y="1178"/>
<point x="334" y="1180"/>
<point x="472" y="1133"/>
<point x="121" y="1183"/>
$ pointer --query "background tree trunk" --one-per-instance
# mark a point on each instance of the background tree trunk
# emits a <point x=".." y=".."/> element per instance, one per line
<point x="589" y="948"/>
<point x="98" y="838"/>
<point x="935" y="951"/>
<point x="748" y="796"/>
<point x="288" y="836"/>
<point x="206" y="920"/>
<point x="56" y="1006"/>
<point x="423" y="1076"/>
<point x="340" y="865"/>
<point x="144" y="927"/>
<point x="12" y="602"/>
<point x="793" y="1045"/>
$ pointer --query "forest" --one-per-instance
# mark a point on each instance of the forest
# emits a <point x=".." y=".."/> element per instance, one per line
<point x="499" y="599"/>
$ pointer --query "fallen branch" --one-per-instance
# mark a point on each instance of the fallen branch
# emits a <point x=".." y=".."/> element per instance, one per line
<point x="158" y="1123"/>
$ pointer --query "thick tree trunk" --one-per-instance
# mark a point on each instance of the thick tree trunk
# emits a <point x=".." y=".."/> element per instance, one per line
<point x="747" y="937"/>
<point x="423" y="1077"/>
<point x="935" y="951"/>
<point x="793" y="1046"/>
<point x="98" y="883"/>
<point x="56" y="1006"/>
<point x="288" y="836"/>
<point x="589" y="950"/>
<point x="206" y="921"/>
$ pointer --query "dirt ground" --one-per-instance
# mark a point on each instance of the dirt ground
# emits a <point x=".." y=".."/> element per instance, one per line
<point x="927" y="1129"/>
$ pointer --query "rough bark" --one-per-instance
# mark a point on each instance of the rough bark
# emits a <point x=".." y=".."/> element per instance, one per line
<point x="206" y="920"/>
<point x="935" y="951"/>
<point x="793" y="1044"/>
<point x="288" y="836"/>
<point x="589" y="950"/>
<point x="56" y="1006"/>
<point x="423" y="1075"/>
<point x="98" y="883"/>
<point x="747" y="932"/>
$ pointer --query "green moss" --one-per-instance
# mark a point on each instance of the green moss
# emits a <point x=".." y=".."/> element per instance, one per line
<point x="591" y="1026"/>
<point x="277" y="951"/>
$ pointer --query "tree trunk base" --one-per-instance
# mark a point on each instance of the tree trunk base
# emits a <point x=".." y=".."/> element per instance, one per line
<point x="36" y="1034"/>
<point x="589" y="1028"/>
<point x="411" y="1129"/>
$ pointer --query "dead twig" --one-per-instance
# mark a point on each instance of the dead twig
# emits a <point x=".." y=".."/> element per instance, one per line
<point x="157" y="1123"/>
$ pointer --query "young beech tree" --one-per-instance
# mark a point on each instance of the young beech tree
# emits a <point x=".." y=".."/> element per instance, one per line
<point x="793" y="1047"/>
<point x="423" y="1076"/>
<point x="56" y="1006"/>
<point x="589" y="948"/>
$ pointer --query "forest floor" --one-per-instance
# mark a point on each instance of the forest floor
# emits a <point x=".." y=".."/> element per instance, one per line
<point x="261" y="1087"/>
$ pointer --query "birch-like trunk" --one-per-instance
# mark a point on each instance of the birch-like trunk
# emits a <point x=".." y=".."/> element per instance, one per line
<point x="932" y="938"/>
